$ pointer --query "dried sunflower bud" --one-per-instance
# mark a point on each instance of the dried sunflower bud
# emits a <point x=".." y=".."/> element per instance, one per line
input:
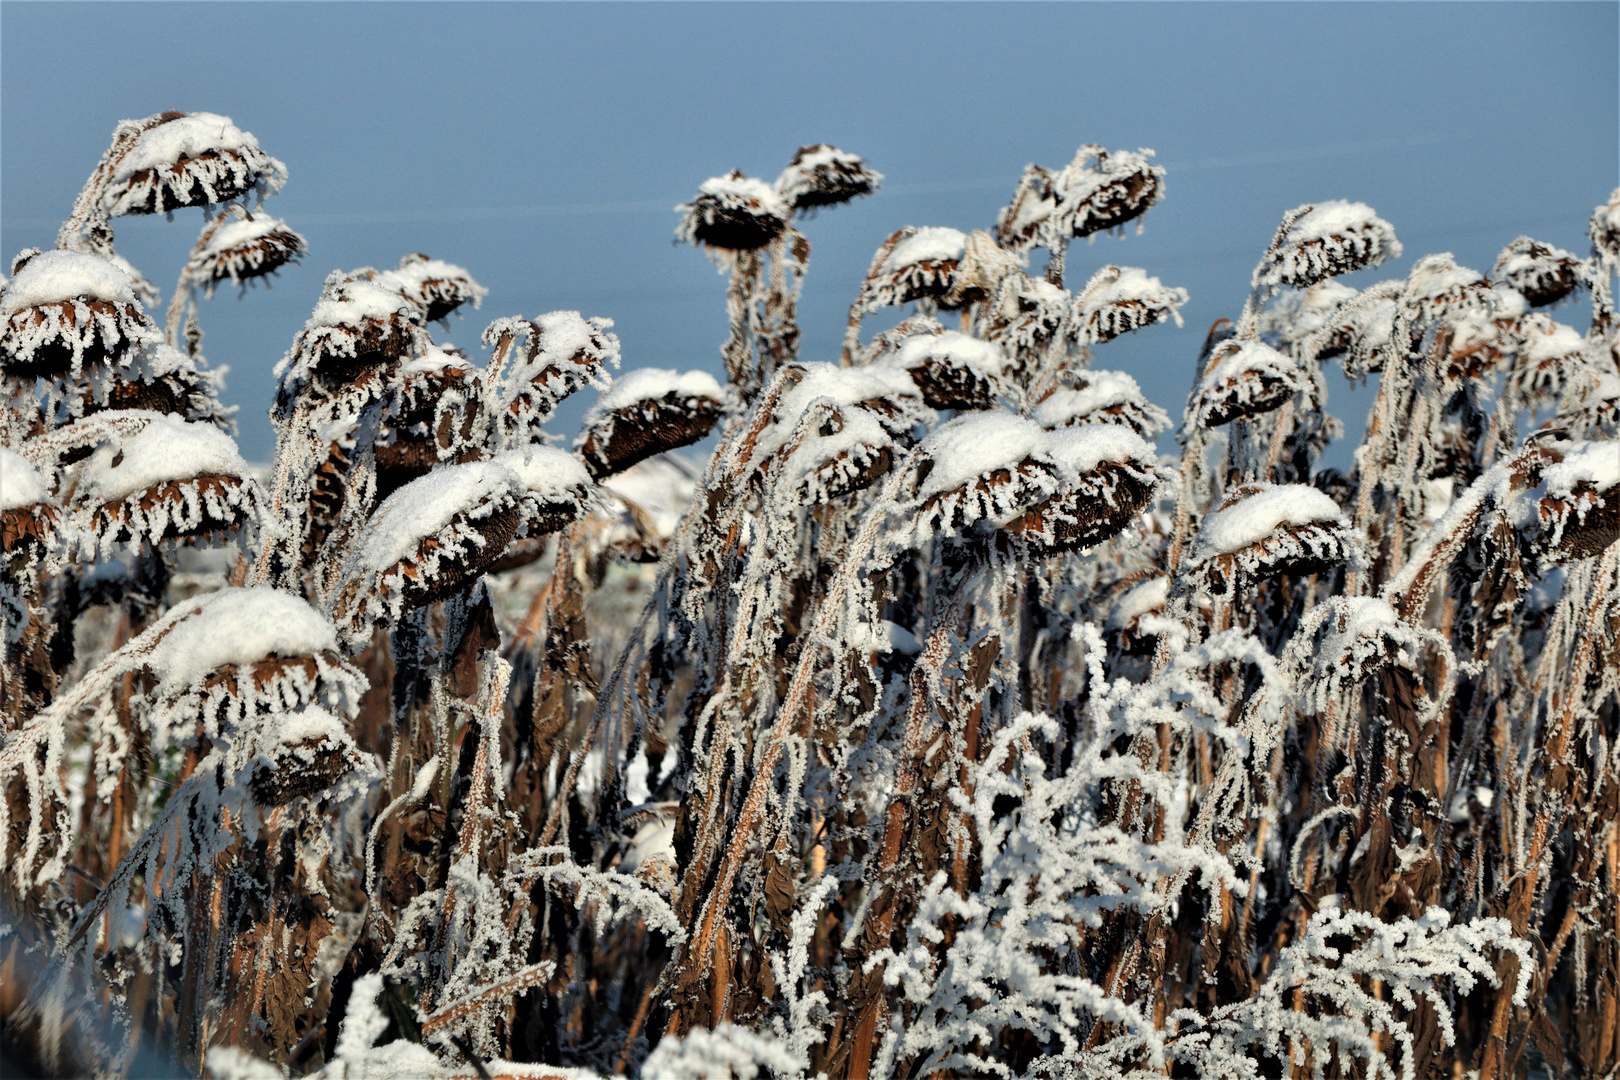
<point x="953" y="370"/>
<point x="438" y="287"/>
<point x="243" y="250"/>
<point x="647" y="412"/>
<point x="178" y="160"/>
<point x="1102" y="397"/>
<point x="733" y="213"/>
<point x="1598" y="412"/>
<point x="823" y="175"/>
<point x="430" y="539"/>
<point x="1542" y="274"/>
<point x="1323" y="240"/>
<point x="171" y="480"/>
<point x="1246" y="378"/>
<point x="64" y="310"/>
<point x="1262" y="530"/>
<point x="557" y="488"/>
<point x="1118" y="300"/>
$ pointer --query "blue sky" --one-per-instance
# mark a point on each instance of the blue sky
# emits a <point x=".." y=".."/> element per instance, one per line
<point x="543" y="145"/>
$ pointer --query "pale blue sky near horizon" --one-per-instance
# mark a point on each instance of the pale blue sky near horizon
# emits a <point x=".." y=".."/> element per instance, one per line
<point x="543" y="146"/>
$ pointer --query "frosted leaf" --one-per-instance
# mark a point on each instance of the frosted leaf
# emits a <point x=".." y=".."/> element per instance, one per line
<point x="1541" y="273"/>
<point x="540" y="362"/>
<point x="1118" y="300"/>
<point x="734" y="213"/>
<point x="181" y="160"/>
<point x="1245" y="378"/>
<point x="728" y="1052"/>
<point x="952" y="370"/>
<point x="1102" y="397"/>
<point x="438" y="287"/>
<point x="244" y="249"/>
<point x="647" y="412"/>
<point x="823" y="175"/>
<point x="64" y="310"/>
<point x="1322" y="240"/>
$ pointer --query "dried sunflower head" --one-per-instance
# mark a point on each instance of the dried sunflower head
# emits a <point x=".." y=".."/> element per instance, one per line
<point x="921" y="265"/>
<point x="1108" y="477"/>
<point x="823" y="175"/>
<point x="64" y="311"/>
<point x="433" y="413"/>
<point x="1101" y="190"/>
<point x="953" y="370"/>
<point x="170" y="479"/>
<point x="438" y="287"/>
<point x="645" y="413"/>
<point x="1323" y="240"/>
<point x="1118" y="300"/>
<point x="349" y="346"/>
<point x="734" y="213"/>
<point x="428" y="540"/>
<point x="1102" y="397"/>
<point x="242" y="250"/>
<point x="175" y="160"/>
<point x="1542" y="274"/>
<point x="538" y="363"/>
<point x="1246" y="377"/>
<point x="1262" y="530"/>
<point x="1604" y="228"/>
<point x="1573" y="511"/>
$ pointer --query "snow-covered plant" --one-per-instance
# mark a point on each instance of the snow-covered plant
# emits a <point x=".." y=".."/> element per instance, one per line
<point x="933" y="724"/>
